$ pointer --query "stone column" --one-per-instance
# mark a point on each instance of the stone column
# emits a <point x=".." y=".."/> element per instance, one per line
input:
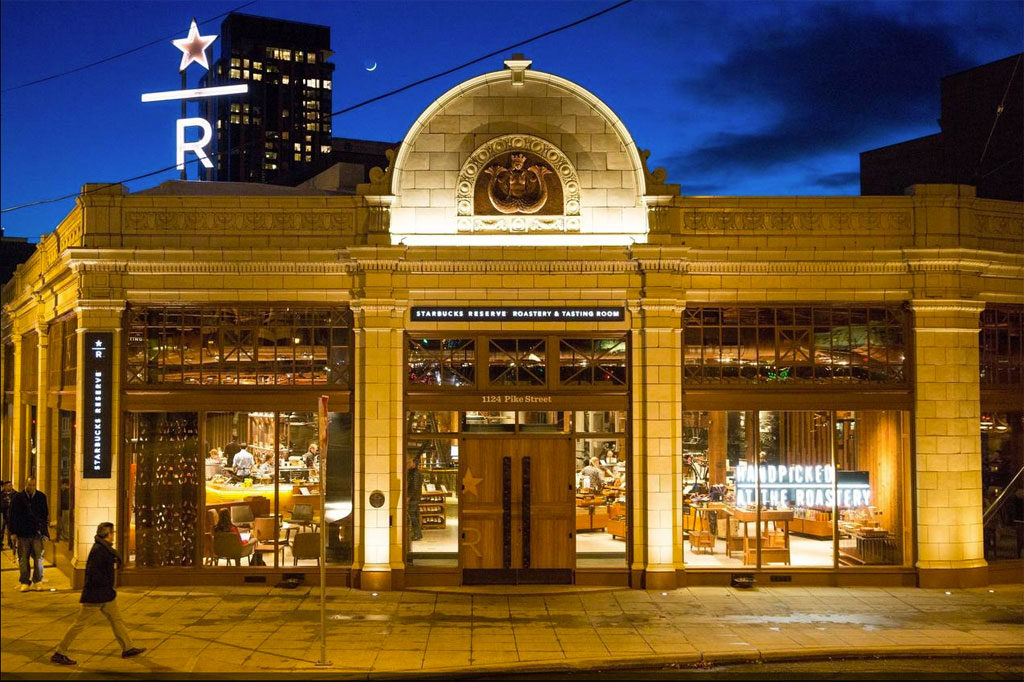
<point x="18" y="463"/>
<point x="46" y="479"/>
<point x="947" y="443"/>
<point x="657" y="442"/>
<point x="378" y="442"/>
<point x="97" y="499"/>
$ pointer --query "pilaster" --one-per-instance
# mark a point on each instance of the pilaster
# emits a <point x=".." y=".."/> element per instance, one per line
<point x="45" y="459"/>
<point x="657" y="441"/>
<point x="19" y="468"/>
<point x="97" y="499"/>
<point x="948" y="443"/>
<point x="378" y="437"/>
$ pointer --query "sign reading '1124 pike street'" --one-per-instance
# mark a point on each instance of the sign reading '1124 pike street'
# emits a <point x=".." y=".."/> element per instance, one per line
<point x="99" y="370"/>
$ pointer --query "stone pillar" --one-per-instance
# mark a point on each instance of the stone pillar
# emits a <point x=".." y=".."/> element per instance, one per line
<point x="18" y="463"/>
<point x="947" y="443"/>
<point x="98" y="499"/>
<point x="46" y="480"/>
<point x="657" y="442"/>
<point x="378" y="442"/>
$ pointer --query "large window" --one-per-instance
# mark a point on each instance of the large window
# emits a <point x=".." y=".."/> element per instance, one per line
<point x="1002" y="481"/>
<point x="794" y="488"/>
<point x="221" y="346"/>
<point x="237" y="488"/>
<point x="831" y="344"/>
<point x="500" y="362"/>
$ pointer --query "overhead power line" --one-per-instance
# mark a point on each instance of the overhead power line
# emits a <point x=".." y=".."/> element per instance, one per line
<point x="345" y="110"/>
<point x="119" y="54"/>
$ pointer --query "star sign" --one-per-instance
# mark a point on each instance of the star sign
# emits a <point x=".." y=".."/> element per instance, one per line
<point x="470" y="482"/>
<point x="193" y="48"/>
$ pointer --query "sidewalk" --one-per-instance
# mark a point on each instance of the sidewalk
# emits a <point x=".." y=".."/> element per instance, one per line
<point x="263" y="630"/>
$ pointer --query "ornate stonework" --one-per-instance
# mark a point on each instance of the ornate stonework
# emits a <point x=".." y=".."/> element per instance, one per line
<point x="802" y="221"/>
<point x="234" y="221"/>
<point x="509" y="170"/>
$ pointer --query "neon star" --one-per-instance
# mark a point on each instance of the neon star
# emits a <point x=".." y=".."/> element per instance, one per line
<point x="194" y="47"/>
<point x="470" y="482"/>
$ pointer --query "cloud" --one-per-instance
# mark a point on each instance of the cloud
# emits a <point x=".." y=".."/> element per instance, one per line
<point x="837" y="180"/>
<point x="833" y="78"/>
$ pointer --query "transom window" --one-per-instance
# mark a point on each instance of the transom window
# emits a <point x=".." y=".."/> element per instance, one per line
<point x="484" y="361"/>
<point x="255" y="346"/>
<point x="820" y="344"/>
<point x="1002" y="345"/>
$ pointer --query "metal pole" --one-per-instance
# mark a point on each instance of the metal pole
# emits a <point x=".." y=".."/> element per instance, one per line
<point x="184" y="114"/>
<point x="322" y="424"/>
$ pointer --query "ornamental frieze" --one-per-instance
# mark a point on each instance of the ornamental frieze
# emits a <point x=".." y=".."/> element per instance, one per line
<point x="778" y="221"/>
<point x="235" y="221"/>
<point x="999" y="225"/>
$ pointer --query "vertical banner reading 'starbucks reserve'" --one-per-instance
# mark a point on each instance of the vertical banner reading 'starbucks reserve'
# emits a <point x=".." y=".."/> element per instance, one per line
<point x="99" y="368"/>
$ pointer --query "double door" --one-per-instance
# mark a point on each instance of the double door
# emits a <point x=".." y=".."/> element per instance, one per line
<point x="516" y="517"/>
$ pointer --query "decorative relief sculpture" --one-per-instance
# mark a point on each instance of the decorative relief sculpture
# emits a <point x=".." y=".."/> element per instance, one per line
<point x="768" y="221"/>
<point x="516" y="189"/>
<point x="518" y="183"/>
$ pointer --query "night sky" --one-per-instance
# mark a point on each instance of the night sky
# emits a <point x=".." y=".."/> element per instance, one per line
<point x="733" y="98"/>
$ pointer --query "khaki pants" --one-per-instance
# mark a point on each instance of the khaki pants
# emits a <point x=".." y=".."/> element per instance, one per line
<point x="110" y="610"/>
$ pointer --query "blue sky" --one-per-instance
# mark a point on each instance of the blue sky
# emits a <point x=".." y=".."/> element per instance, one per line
<point x="733" y="98"/>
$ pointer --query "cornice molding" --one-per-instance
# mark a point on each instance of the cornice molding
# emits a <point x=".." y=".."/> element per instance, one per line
<point x="933" y="306"/>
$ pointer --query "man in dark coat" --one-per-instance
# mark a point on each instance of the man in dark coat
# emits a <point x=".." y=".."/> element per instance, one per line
<point x="98" y="595"/>
<point x="30" y="523"/>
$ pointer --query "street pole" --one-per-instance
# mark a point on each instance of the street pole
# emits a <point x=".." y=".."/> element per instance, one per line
<point x="322" y="423"/>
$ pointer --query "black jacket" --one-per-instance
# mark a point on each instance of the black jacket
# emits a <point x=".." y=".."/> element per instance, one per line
<point x="99" y="573"/>
<point x="30" y="517"/>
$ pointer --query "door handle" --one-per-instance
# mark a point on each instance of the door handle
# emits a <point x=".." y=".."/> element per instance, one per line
<point x="463" y="535"/>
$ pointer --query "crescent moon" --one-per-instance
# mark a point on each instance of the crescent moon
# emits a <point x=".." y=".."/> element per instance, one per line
<point x="372" y="68"/>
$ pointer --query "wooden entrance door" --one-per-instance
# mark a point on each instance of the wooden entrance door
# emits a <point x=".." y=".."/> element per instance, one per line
<point x="516" y="510"/>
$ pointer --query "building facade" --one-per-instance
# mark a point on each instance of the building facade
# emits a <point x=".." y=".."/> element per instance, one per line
<point x="280" y="132"/>
<point x="541" y="364"/>
<point x="980" y="143"/>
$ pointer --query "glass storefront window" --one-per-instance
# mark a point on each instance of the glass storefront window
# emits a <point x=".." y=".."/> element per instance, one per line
<point x="432" y="422"/>
<point x="65" y="480"/>
<point x="600" y="422"/>
<point x="1001" y="346"/>
<point x="550" y="422"/>
<point x="492" y="422"/>
<point x="1002" y="459"/>
<point x="601" y="485"/>
<point x="432" y="501"/>
<point x="768" y="488"/>
<point x="162" y="451"/>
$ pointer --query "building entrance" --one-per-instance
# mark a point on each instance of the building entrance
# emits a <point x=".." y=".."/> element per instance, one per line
<point x="516" y="521"/>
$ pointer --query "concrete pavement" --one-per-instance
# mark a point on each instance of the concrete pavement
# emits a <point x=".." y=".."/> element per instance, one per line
<point x="266" y="630"/>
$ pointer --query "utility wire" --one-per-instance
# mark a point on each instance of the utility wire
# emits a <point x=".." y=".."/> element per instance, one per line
<point x="347" y="109"/>
<point x="119" y="54"/>
<point x="995" y="121"/>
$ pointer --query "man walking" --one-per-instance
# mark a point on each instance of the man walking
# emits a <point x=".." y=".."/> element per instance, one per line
<point x="98" y="596"/>
<point x="30" y="522"/>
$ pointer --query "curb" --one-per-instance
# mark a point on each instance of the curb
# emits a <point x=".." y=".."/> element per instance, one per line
<point x="695" y="660"/>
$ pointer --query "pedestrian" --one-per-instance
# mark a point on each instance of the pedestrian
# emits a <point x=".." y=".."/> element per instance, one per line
<point x="6" y="494"/>
<point x="98" y="596"/>
<point x="30" y="523"/>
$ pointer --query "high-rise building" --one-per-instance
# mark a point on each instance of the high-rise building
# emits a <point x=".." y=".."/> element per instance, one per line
<point x="980" y="143"/>
<point x="280" y="132"/>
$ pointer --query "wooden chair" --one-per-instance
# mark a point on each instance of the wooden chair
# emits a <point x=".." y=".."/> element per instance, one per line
<point x="259" y="505"/>
<point x="302" y="515"/>
<point x="241" y="515"/>
<point x="266" y="540"/>
<point x="306" y="546"/>
<point x="229" y="546"/>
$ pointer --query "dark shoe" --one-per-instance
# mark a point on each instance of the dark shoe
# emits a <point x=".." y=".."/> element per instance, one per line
<point x="61" y="659"/>
<point x="134" y="651"/>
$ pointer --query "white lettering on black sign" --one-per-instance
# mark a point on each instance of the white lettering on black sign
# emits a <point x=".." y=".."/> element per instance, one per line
<point x="98" y="396"/>
<point x="515" y="314"/>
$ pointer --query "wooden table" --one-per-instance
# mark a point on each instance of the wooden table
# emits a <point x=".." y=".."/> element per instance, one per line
<point x="747" y="516"/>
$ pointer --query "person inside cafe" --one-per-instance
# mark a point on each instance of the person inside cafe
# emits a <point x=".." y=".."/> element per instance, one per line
<point x="593" y="476"/>
<point x="310" y="459"/>
<point x="224" y="524"/>
<point x="242" y="462"/>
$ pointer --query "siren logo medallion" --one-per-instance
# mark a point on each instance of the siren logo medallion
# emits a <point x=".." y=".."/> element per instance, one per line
<point x="518" y="183"/>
